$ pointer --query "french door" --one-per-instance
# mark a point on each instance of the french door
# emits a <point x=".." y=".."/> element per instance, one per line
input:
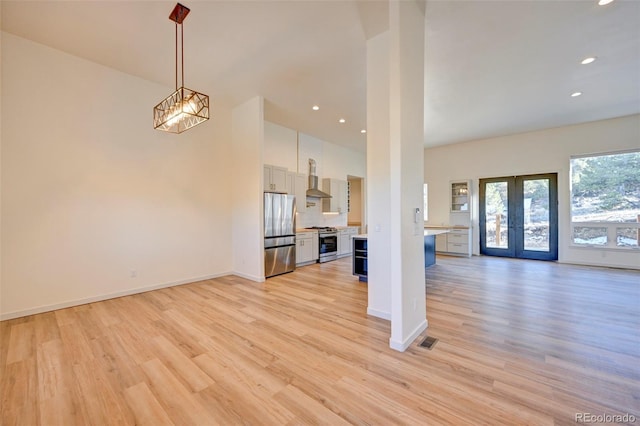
<point x="519" y="216"/>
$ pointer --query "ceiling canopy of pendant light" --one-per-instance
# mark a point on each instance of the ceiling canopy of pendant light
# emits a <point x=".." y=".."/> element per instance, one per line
<point x="184" y="108"/>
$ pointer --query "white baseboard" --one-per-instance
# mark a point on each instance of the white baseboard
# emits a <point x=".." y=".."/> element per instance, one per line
<point x="600" y="265"/>
<point x="403" y="345"/>
<point x="249" y="276"/>
<point x="379" y="314"/>
<point x="84" y="301"/>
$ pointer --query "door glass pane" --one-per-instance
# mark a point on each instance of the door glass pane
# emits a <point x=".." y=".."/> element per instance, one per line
<point x="536" y="214"/>
<point x="496" y="215"/>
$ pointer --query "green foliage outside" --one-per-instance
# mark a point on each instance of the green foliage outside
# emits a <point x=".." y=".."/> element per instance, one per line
<point x="496" y="198"/>
<point x="606" y="183"/>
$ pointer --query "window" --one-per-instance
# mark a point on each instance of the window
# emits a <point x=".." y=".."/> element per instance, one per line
<point x="425" y="197"/>
<point x="605" y="200"/>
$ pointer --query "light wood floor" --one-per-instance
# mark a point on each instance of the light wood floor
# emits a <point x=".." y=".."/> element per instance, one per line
<point x="520" y="342"/>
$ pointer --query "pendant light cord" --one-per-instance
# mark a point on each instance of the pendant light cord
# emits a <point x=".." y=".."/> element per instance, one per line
<point x="176" y="56"/>
<point x="181" y="55"/>
<point x="182" y="50"/>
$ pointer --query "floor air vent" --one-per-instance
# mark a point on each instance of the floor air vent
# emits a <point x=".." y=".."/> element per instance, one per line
<point x="429" y="342"/>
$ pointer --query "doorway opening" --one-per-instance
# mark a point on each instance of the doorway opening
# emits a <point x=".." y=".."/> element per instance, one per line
<point x="356" y="202"/>
<point x="519" y="216"/>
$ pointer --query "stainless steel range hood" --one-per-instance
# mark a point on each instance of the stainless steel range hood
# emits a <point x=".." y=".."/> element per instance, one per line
<point x="313" y="190"/>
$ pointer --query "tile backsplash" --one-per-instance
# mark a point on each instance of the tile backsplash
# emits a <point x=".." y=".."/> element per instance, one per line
<point x="315" y="217"/>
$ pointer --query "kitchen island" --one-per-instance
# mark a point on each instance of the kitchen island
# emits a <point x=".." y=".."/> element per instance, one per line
<point x="430" y="245"/>
<point x="359" y="261"/>
<point x="360" y="249"/>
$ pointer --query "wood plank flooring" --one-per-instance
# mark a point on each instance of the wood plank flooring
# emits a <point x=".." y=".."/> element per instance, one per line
<point x="520" y="342"/>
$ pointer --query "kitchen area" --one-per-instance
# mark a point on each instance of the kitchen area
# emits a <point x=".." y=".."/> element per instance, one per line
<point x="303" y="246"/>
<point x="326" y="206"/>
<point x="313" y="200"/>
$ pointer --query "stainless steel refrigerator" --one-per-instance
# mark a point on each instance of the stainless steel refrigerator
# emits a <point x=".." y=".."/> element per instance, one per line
<point x="279" y="233"/>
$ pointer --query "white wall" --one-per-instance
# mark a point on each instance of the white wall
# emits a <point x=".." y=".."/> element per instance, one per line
<point x="406" y="125"/>
<point x="545" y="151"/>
<point x="378" y="180"/>
<point x="91" y="192"/>
<point x="280" y="147"/>
<point x="247" y="183"/>
<point x="1" y="34"/>
<point x="338" y="162"/>
<point x="284" y="147"/>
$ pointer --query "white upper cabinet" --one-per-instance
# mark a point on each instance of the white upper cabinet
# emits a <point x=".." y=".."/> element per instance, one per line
<point x="297" y="185"/>
<point x="461" y="197"/>
<point x="338" y="190"/>
<point x="275" y="178"/>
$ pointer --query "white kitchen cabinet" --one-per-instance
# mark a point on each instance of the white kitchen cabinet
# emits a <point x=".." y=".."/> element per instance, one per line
<point x="345" y="248"/>
<point x="457" y="241"/>
<point x="275" y="178"/>
<point x="316" y="247"/>
<point x="441" y="242"/>
<point x="306" y="248"/>
<point x="461" y="197"/>
<point x="297" y="185"/>
<point x="338" y="190"/>
<point x="344" y="240"/>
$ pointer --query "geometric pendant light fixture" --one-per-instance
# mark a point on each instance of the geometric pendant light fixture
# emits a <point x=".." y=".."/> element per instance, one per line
<point x="184" y="108"/>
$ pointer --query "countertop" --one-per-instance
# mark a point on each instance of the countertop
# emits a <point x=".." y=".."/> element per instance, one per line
<point x="302" y="230"/>
<point x="305" y="230"/>
<point x="428" y="232"/>
<point x="445" y="227"/>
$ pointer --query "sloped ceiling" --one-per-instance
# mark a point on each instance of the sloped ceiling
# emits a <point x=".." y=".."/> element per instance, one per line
<point x="492" y="67"/>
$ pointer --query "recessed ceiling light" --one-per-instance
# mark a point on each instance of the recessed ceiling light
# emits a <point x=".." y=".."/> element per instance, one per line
<point x="576" y="94"/>
<point x="588" y="60"/>
<point x="363" y="131"/>
<point x="342" y="120"/>
<point x="315" y="107"/>
<point x="604" y="2"/>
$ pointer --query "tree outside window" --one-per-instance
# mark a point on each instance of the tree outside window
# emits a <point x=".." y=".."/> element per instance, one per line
<point x="605" y="189"/>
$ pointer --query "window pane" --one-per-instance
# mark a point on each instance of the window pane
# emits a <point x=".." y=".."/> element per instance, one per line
<point x="496" y="215"/>
<point x="536" y="214"/>
<point x="627" y="237"/>
<point x="590" y="235"/>
<point x="606" y="188"/>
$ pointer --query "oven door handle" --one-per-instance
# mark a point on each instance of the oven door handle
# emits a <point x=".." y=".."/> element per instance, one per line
<point x="328" y="234"/>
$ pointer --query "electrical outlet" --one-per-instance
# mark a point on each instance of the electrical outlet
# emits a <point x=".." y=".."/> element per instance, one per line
<point x="415" y="304"/>
<point x="134" y="273"/>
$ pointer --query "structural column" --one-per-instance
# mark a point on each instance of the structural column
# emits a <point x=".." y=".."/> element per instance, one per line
<point x="247" y="198"/>
<point x="395" y="172"/>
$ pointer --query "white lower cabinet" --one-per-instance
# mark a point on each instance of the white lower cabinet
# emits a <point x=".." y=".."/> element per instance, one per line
<point x="345" y="235"/>
<point x="306" y="248"/>
<point x="457" y="241"/>
<point x="316" y="248"/>
<point x="441" y="242"/>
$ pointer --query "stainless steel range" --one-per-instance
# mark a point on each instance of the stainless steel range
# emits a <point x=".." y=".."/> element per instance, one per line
<point x="327" y="243"/>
